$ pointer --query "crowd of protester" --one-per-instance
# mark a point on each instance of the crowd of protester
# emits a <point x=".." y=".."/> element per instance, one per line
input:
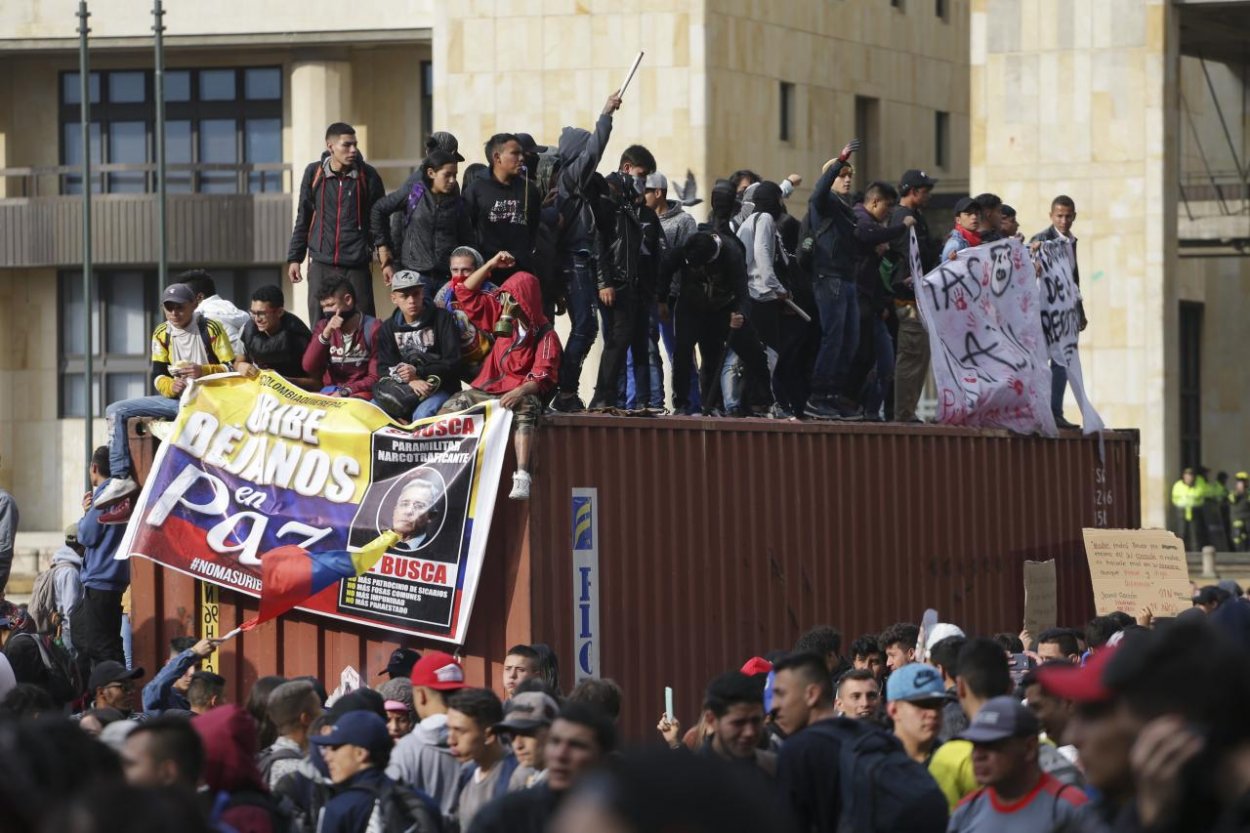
<point x="1132" y="723"/>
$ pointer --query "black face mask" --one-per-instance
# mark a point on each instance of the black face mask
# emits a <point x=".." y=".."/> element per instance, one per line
<point x="346" y="314"/>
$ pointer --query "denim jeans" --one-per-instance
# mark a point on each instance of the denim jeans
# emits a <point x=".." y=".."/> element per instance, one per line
<point x="583" y="327"/>
<point x="1058" y="386"/>
<point x="883" y="354"/>
<point x="626" y="394"/>
<point x="731" y="381"/>
<point x="118" y="413"/>
<point x="838" y="305"/>
<point x="430" y="405"/>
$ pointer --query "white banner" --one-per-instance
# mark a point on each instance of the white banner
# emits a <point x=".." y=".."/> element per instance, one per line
<point x="989" y="355"/>
<point x="1061" y="321"/>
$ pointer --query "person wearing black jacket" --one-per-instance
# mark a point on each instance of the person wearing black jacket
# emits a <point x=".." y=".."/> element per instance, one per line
<point x="274" y="339"/>
<point x="336" y="196"/>
<point x="832" y="225"/>
<point x="420" y="344"/>
<point x="504" y="208"/>
<point x="434" y="221"/>
<point x="911" y="360"/>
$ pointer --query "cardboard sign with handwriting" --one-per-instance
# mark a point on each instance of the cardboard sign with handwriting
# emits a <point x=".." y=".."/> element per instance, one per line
<point x="1041" y="597"/>
<point x="1135" y="568"/>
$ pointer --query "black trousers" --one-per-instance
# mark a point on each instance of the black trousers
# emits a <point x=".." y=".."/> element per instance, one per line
<point x="789" y="388"/>
<point x="361" y="279"/>
<point x="626" y="325"/>
<point x="97" y="626"/>
<point x="709" y="330"/>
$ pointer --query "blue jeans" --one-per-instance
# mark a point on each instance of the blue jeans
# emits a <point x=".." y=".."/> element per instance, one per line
<point x="430" y="405"/>
<point x="582" y="298"/>
<point x="731" y="381"/>
<point x="628" y="396"/>
<point x="128" y="640"/>
<point x="883" y="353"/>
<point x="838" y="305"/>
<point x="1058" y="386"/>
<point x="118" y="413"/>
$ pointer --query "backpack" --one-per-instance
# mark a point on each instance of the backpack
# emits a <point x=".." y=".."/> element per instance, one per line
<point x="398" y="809"/>
<point x="64" y="682"/>
<point x="281" y="819"/>
<point x="881" y="788"/>
<point x="807" y="241"/>
<point x="270" y="756"/>
<point x="42" y="606"/>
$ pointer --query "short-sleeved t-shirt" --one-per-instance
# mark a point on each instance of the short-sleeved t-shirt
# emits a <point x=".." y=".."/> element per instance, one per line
<point x="1047" y="805"/>
<point x="951" y="767"/>
<point x="476" y="794"/>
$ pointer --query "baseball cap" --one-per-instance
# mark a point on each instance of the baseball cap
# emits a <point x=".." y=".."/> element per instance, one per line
<point x="915" y="682"/>
<point x="1241" y="475"/>
<point x="111" y="671"/>
<point x="444" y="141"/>
<point x="967" y="204"/>
<point x="402" y="659"/>
<point x="363" y="729"/>
<point x="395" y="706"/>
<point x="528" y="145"/>
<point x="527" y="711"/>
<point x="178" y="293"/>
<point x="438" y="671"/>
<point x="656" y="180"/>
<point x="942" y="630"/>
<point x="915" y="178"/>
<point x="1081" y="684"/>
<point x="71" y="534"/>
<point x="756" y="665"/>
<point x="1001" y="718"/>
<point x="407" y="279"/>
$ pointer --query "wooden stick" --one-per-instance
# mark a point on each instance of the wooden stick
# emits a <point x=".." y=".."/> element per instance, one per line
<point x="630" y="77"/>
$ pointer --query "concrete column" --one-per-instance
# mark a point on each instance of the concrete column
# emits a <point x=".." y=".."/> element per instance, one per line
<point x="321" y="94"/>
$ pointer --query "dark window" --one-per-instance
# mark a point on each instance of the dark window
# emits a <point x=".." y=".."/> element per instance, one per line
<point x="1191" y="383"/>
<point x="786" y="114"/>
<point x="898" y="4"/>
<point x="867" y="129"/>
<point x="226" y="116"/>
<point x="427" y="98"/>
<point x="941" y="139"/>
<point x="942" y="9"/>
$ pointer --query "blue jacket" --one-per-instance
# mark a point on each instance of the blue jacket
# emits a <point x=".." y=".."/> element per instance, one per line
<point x="352" y="805"/>
<point x="100" y="571"/>
<point x="834" y="251"/>
<point x="159" y="694"/>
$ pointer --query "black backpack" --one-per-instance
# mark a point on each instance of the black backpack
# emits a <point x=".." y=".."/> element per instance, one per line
<point x="807" y="241"/>
<point x="882" y="790"/>
<point x="60" y="678"/>
<point x="398" y="809"/>
<point x="269" y="756"/>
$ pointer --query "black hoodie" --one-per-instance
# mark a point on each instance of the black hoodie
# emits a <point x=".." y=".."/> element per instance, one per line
<point x="431" y="344"/>
<point x="504" y="217"/>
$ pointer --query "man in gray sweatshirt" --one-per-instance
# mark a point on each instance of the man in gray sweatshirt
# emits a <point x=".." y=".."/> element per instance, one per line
<point x="422" y="758"/>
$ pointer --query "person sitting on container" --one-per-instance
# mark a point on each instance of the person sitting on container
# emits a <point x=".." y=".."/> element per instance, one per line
<point x="521" y="369"/>
<point x="343" y="352"/>
<point x="275" y="339"/>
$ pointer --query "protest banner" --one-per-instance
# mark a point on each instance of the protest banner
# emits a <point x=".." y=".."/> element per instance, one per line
<point x="257" y="465"/>
<point x="1061" y="321"/>
<point x="1041" y="596"/>
<point x="1132" y="569"/>
<point x="989" y="355"/>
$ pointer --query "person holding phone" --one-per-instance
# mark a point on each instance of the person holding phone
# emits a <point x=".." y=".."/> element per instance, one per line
<point x="343" y="352"/>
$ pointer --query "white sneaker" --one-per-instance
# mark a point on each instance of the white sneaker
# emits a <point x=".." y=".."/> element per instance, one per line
<point x="116" y="489"/>
<point x="521" y="486"/>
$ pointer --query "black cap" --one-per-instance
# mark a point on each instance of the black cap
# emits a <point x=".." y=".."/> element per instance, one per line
<point x="966" y="205"/>
<point x="401" y="662"/>
<point x="913" y="179"/>
<point x="528" y="145"/>
<point x="444" y="141"/>
<point x="111" y="671"/>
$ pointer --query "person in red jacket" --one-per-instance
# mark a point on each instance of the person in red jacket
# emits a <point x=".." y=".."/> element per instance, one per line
<point x="520" y="370"/>
<point x="343" y="352"/>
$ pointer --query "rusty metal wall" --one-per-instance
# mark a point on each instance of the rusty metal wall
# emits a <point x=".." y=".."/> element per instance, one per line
<point x="724" y="539"/>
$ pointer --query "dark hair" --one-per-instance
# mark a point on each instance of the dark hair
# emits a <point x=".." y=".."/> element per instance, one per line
<point x="548" y="664"/>
<point x="640" y="156"/>
<point x="338" y="129"/>
<point x="1010" y="642"/>
<point x="317" y="685"/>
<point x="865" y="646"/>
<point x="1007" y="211"/>
<point x="1099" y="630"/>
<point x="479" y="705"/>
<point x="199" y="280"/>
<point x="270" y="294"/>
<point x="945" y="654"/>
<point x="175" y="739"/>
<point x="585" y="714"/>
<point x="523" y="651"/>
<point x="204" y="686"/>
<point x="104" y="714"/>
<point x="1062" y="200"/>
<point x="744" y="173"/>
<point x="813" y="671"/>
<point x="181" y="643"/>
<point x="900" y="633"/>
<point x="880" y="190"/>
<point x="730" y="689"/>
<point x="536" y="684"/>
<point x="435" y="159"/>
<point x="822" y="640"/>
<point x="335" y="286"/>
<point x="988" y="201"/>
<point x="258" y="708"/>
<point x="121" y="808"/>
<point x="1063" y="637"/>
<point x="982" y="665"/>
<point x="495" y="144"/>
<point x="700" y="249"/>
<point x="100" y="459"/>
<point x="604" y="694"/>
<point x="861" y="674"/>
<point x="475" y="170"/>
<point x="1124" y="621"/>
<point x="287" y="702"/>
<point x="26" y="700"/>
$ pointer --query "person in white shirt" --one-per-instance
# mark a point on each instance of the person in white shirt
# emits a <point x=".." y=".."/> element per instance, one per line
<point x="216" y="308"/>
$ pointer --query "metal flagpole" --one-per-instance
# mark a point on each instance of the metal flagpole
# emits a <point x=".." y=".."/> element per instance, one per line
<point x="158" y="14"/>
<point x="84" y="79"/>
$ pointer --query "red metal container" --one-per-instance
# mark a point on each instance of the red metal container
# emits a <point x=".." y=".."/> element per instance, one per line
<point x="722" y="539"/>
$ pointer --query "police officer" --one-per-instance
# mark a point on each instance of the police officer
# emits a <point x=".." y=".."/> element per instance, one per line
<point x="1188" y="495"/>
<point x="1239" y="511"/>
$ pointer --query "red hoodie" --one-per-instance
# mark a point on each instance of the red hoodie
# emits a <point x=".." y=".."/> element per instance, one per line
<point x="512" y="363"/>
<point x="229" y="736"/>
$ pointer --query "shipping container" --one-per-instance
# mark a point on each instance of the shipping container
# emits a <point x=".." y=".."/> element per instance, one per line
<point x="717" y="540"/>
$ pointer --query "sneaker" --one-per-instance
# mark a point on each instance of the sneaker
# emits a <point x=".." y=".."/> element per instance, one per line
<point x="119" y="512"/>
<point x="521" y="481"/>
<point x="567" y="402"/>
<point x="848" y="409"/>
<point x="779" y="411"/>
<point x="116" y="489"/>
<point x="821" y="409"/>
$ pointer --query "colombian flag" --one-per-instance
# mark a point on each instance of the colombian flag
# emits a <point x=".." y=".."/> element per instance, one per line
<point x="291" y="575"/>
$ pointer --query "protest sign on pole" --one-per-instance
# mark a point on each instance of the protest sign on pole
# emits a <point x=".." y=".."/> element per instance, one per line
<point x="989" y="355"/>
<point x="1041" y="596"/>
<point x="1061" y="321"/>
<point x="257" y="465"/>
<point x="1132" y="569"/>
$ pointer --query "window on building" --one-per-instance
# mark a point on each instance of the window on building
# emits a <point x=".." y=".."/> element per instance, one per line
<point x="1191" y="383"/>
<point x="899" y="4"/>
<point x="867" y="129"/>
<point x="786" y="112"/>
<point x="941" y="139"/>
<point x="942" y="9"/>
<point x="427" y="97"/>
<point x="224" y="115"/>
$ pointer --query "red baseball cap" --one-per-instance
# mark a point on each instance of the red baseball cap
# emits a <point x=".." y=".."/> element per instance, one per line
<point x="1081" y="684"/>
<point x="756" y="665"/>
<point x="438" y="671"/>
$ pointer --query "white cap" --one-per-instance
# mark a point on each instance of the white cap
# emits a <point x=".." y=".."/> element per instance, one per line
<point x="942" y="630"/>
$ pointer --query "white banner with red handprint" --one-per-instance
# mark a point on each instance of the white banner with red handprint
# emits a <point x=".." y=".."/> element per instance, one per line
<point x="1062" y="317"/>
<point x="983" y="312"/>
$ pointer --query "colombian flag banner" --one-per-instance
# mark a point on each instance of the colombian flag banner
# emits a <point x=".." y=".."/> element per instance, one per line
<point x="324" y="504"/>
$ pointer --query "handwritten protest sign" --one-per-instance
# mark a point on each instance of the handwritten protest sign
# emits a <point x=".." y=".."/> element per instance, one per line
<point x="1041" y="596"/>
<point x="1131" y="569"/>
<point x="1061" y="321"/>
<point x="252" y="465"/>
<point x="989" y="355"/>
